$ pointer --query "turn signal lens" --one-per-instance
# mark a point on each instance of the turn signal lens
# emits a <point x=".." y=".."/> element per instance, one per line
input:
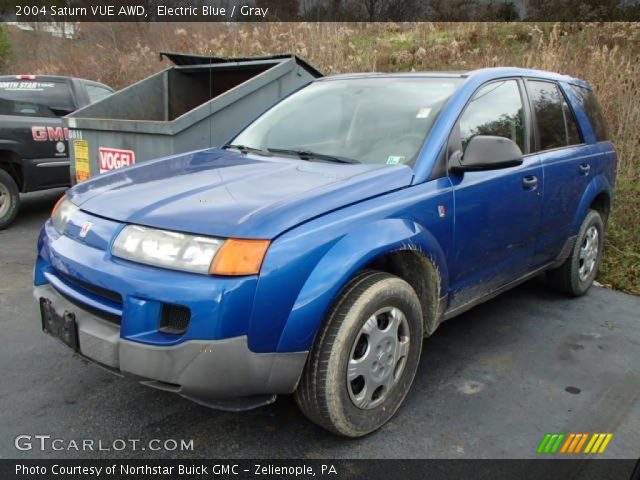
<point x="61" y="214"/>
<point x="239" y="257"/>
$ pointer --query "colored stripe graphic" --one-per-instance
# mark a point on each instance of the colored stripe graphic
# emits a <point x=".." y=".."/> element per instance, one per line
<point x="556" y="445"/>
<point x="581" y="443"/>
<point x="572" y="443"/>
<point x="550" y="443"/>
<point x="598" y="443"/>
<point x="568" y="442"/>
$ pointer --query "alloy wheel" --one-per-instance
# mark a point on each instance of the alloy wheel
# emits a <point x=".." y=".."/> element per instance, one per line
<point x="588" y="253"/>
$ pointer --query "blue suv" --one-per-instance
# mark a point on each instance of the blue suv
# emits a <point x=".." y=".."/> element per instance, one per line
<point x="314" y="251"/>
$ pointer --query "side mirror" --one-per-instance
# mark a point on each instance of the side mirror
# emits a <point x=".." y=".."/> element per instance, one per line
<point x="486" y="152"/>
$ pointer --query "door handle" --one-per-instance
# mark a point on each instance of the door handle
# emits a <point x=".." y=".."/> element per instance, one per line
<point x="585" y="168"/>
<point x="530" y="182"/>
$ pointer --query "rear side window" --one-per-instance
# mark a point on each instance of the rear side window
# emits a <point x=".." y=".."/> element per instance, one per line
<point x="495" y="109"/>
<point x="96" y="92"/>
<point x="556" y="124"/>
<point x="591" y="107"/>
<point x="35" y="97"/>
<point x="547" y="105"/>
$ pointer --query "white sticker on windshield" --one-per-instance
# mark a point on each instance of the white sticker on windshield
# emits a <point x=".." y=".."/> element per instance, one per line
<point x="395" y="160"/>
<point x="423" y="112"/>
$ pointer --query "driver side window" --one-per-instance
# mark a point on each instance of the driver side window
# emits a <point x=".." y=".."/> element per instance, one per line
<point x="495" y="109"/>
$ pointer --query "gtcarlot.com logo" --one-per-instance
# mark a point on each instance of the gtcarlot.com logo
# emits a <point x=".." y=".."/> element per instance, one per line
<point x="574" y="443"/>
<point x="48" y="443"/>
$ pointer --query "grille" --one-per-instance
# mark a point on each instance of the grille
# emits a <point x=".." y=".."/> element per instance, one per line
<point x="98" y="291"/>
<point x="175" y="319"/>
<point x="109" y="317"/>
<point x="104" y="293"/>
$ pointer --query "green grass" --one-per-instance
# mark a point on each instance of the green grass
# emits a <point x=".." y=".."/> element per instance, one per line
<point x="621" y="263"/>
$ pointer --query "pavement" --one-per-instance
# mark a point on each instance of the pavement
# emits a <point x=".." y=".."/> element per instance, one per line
<point x="491" y="383"/>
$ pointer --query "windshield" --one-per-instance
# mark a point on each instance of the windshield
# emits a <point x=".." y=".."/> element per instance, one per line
<point x="35" y="98"/>
<point x="382" y="120"/>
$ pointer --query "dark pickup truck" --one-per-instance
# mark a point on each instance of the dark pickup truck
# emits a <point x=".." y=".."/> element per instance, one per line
<point x="33" y="142"/>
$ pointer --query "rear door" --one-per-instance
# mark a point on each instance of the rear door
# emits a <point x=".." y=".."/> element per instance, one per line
<point x="497" y="212"/>
<point x="566" y="165"/>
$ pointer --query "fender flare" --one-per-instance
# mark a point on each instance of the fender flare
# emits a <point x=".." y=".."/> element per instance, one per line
<point x="340" y="263"/>
<point x="11" y="146"/>
<point x="11" y="161"/>
<point x="598" y="184"/>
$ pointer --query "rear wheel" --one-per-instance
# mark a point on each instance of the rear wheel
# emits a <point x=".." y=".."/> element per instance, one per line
<point x="365" y="356"/>
<point x="9" y="199"/>
<point x="576" y="275"/>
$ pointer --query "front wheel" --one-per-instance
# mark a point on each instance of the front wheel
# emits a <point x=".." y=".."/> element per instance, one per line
<point x="576" y="275"/>
<point x="365" y="356"/>
<point x="9" y="199"/>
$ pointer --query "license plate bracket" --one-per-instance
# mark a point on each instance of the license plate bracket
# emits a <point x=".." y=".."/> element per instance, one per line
<point x="63" y="327"/>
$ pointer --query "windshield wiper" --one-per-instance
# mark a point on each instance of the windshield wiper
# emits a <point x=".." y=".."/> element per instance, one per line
<point x="246" y="149"/>
<point x="307" y="155"/>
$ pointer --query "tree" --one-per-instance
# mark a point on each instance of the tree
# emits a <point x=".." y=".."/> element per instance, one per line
<point x="508" y="12"/>
<point x="5" y="49"/>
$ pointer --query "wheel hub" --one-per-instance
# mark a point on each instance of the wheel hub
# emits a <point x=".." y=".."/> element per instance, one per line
<point x="378" y="357"/>
<point x="4" y="200"/>
<point x="588" y="253"/>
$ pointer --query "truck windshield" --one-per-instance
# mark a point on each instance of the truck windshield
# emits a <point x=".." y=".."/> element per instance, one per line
<point x="44" y="98"/>
<point x="382" y="120"/>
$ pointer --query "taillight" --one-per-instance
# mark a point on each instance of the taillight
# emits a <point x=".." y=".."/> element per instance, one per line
<point x="26" y="77"/>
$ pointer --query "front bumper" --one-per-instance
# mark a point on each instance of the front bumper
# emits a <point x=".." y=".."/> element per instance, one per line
<point x="201" y="370"/>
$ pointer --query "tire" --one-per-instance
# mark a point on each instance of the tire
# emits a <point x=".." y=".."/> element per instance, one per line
<point x="570" y="277"/>
<point x="9" y="199"/>
<point x="354" y="405"/>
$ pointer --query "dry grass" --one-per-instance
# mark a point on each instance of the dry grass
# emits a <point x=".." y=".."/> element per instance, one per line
<point x="607" y="55"/>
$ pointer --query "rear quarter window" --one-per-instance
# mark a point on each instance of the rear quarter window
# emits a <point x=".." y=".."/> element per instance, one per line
<point x="589" y="103"/>
<point x="96" y="92"/>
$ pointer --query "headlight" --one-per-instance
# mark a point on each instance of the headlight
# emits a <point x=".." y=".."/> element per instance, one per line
<point x="163" y="248"/>
<point x="190" y="253"/>
<point x="61" y="214"/>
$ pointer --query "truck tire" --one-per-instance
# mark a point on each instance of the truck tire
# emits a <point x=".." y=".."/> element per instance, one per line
<point x="9" y="199"/>
<point x="365" y="356"/>
<point x="576" y="275"/>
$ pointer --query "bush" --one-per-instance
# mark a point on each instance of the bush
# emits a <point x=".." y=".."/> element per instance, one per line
<point x="5" y="49"/>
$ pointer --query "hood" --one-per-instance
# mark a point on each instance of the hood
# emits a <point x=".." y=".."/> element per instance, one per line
<point x="222" y="193"/>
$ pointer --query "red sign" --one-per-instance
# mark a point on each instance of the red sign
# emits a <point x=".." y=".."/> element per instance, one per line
<point x="113" y="158"/>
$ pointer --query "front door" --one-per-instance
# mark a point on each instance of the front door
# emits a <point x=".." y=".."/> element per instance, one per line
<point x="497" y="212"/>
